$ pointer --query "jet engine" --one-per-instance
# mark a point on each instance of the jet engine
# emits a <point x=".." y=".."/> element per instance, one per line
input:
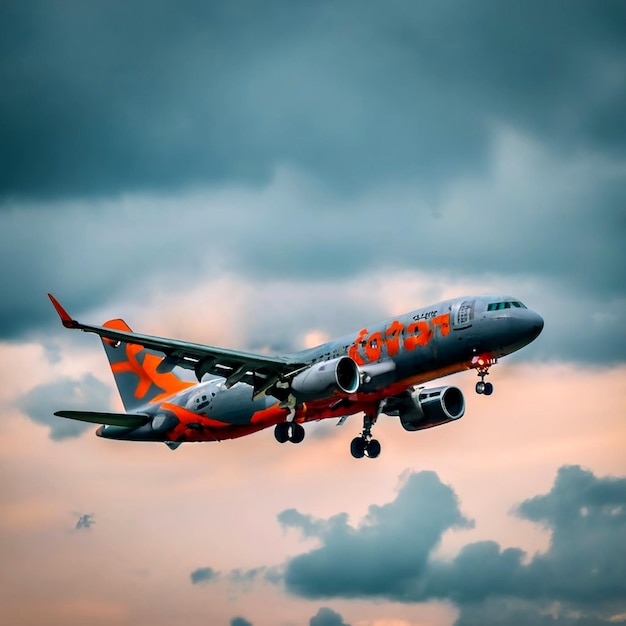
<point x="425" y="408"/>
<point x="323" y="378"/>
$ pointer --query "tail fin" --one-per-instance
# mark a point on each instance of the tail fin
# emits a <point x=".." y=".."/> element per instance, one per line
<point x="135" y="371"/>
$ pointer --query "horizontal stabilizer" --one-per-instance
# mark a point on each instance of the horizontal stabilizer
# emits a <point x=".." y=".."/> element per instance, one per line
<point x="129" y="420"/>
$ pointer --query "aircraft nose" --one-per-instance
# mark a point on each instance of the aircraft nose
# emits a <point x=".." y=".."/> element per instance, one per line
<point x="527" y="325"/>
<point x="523" y="326"/>
<point x="536" y="323"/>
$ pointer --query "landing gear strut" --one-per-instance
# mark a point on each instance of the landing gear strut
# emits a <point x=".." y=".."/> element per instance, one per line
<point x="289" y="431"/>
<point x="364" y="445"/>
<point x="482" y="365"/>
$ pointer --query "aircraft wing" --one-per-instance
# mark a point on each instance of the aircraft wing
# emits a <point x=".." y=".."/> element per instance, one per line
<point x="258" y="370"/>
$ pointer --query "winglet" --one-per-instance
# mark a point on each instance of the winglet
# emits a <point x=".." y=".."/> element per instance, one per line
<point x="66" y="320"/>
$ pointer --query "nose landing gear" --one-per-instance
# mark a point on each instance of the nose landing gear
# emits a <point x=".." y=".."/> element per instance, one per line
<point x="364" y="445"/>
<point x="482" y="365"/>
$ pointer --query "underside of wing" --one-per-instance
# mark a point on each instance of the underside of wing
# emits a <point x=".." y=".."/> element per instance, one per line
<point x="129" y="420"/>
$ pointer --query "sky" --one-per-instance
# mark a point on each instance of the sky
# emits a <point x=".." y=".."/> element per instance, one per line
<point x="265" y="176"/>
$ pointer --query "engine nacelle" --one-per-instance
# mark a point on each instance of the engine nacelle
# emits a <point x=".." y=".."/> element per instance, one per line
<point x="425" y="408"/>
<point x="322" y="379"/>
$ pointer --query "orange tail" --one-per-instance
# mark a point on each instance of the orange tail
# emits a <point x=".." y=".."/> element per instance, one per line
<point x="135" y="371"/>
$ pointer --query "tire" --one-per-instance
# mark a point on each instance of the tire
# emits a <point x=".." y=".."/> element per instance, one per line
<point x="488" y="390"/>
<point x="373" y="449"/>
<point x="357" y="447"/>
<point x="281" y="432"/>
<point x="297" y="433"/>
<point x="480" y="387"/>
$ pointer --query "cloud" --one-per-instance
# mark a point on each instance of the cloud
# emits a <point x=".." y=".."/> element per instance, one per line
<point x="585" y="564"/>
<point x="390" y="554"/>
<point x="203" y="575"/>
<point x="385" y="555"/>
<point x="508" y="612"/>
<point x="324" y="617"/>
<point x="352" y="92"/>
<point x="298" y="160"/>
<point x="269" y="250"/>
<point x="40" y="403"/>
<point x="244" y="579"/>
<point x="327" y="617"/>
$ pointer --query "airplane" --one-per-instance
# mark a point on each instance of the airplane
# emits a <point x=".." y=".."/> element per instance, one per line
<point x="380" y="369"/>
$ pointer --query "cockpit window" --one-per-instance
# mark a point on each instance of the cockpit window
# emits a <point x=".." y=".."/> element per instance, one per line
<point x="497" y="306"/>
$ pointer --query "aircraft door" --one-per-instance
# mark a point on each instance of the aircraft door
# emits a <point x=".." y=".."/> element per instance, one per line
<point x="462" y="314"/>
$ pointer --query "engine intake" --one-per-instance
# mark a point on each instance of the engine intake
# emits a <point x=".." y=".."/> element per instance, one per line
<point x="322" y="379"/>
<point x="425" y="408"/>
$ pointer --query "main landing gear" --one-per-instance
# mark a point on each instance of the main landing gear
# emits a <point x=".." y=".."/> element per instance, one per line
<point x="365" y="445"/>
<point x="482" y="365"/>
<point x="289" y="431"/>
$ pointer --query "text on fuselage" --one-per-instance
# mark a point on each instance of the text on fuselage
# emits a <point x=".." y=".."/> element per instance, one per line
<point x="369" y="347"/>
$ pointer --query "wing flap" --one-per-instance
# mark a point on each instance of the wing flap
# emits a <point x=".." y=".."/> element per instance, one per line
<point x="129" y="420"/>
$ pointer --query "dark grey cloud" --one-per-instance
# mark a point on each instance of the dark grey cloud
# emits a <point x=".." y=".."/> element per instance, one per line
<point x="87" y="393"/>
<point x="385" y="555"/>
<point x="244" y="579"/>
<point x="203" y="575"/>
<point x="586" y="561"/>
<point x="104" y="98"/>
<point x="90" y="265"/>
<point x="583" y="571"/>
<point x="324" y="617"/>
<point x="240" y="577"/>
<point x="312" y="144"/>
<point x="327" y="617"/>
<point x="246" y="576"/>
<point x="514" y="612"/>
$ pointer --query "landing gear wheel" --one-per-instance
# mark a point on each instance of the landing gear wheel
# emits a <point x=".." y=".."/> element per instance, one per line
<point x="364" y="445"/>
<point x="281" y="432"/>
<point x="488" y="389"/>
<point x="357" y="447"/>
<point x="480" y="387"/>
<point x="372" y="449"/>
<point x="297" y="433"/>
